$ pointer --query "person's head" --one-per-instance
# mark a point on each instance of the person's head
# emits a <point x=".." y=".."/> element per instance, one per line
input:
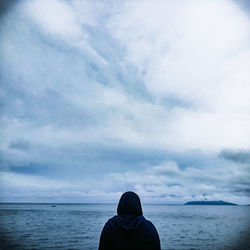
<point x="129" y="204"/>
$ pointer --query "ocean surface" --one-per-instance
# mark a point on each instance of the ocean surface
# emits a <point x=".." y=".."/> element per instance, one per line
<point x="78" y="226"/>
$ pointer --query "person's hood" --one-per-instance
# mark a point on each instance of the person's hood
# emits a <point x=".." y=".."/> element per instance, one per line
<point x="129" y="212"/>
<point x="127" y="222"/>
<point x="129" y="204"/>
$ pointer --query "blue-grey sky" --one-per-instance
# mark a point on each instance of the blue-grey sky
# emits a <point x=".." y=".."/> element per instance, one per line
<point x="101" y="97"/>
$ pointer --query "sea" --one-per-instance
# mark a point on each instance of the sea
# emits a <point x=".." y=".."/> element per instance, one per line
<point x="78" y="226"/>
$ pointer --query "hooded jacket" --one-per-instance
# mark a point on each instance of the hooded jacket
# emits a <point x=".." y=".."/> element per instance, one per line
<point x="129" y="230"/>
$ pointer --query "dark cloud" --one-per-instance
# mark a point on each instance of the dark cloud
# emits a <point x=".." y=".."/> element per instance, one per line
<point x="20" y="145"/>
<point x="244" y="4"/>
<point x="244" y="191"/>
<point x="5" y="6"/>
<point x="31" y="169"/>
<point x="236" y="156"/>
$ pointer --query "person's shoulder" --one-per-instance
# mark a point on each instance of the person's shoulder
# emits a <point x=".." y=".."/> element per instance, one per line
<point x="148" y="225"/>
<point x="113" y="218"/>
<point x="111" y="222"/>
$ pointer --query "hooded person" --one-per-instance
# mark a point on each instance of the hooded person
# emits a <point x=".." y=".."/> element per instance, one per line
<point x="129" y="230"/>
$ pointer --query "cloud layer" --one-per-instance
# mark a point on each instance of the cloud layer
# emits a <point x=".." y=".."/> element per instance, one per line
<point x="152" y="95"/>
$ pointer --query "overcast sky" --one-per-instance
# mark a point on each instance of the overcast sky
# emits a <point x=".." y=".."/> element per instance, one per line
<point x="101" y="97"/>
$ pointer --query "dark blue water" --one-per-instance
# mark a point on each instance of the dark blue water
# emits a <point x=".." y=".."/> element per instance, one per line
<point x="78" y="226"/>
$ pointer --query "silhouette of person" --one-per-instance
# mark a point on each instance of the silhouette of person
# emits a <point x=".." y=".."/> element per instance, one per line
<point x="129" y="230"/>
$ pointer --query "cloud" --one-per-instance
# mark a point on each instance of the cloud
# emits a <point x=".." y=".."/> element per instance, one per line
<point x="55" y="17"/>
<point x="196" y="52"/>
<point x="69" y="22"/>
<point x="194" y="38"/>
<point x="236" y="156"/>
<point x="19" y="145"/>
<point x="94" y="88"/>
<point x="186" y="109"/>
<point x="162" y="183"/>
<point x="169" y="183"/>
<point x="31" y="182"/>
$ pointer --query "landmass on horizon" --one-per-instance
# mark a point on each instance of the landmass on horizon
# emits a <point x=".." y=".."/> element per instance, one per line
<point x="209" y="203"/>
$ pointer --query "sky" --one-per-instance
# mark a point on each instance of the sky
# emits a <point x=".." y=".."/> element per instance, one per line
<point x="101" y="97"/>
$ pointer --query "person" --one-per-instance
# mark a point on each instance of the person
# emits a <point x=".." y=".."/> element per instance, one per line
<point x="129" y="230"/>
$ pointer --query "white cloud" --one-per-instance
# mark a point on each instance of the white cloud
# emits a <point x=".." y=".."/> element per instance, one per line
<point x="187" y="43"/>
<point x="195" y="52"/>
<point x="54" y="16"/>
<point x="64" y="20"/>
<point x="198" y="52"/>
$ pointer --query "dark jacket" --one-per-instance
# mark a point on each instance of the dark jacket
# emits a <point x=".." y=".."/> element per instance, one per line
<point x="129" y="230"/>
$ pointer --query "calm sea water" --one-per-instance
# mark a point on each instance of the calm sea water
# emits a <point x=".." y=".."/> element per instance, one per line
<point x="78" y="226"/>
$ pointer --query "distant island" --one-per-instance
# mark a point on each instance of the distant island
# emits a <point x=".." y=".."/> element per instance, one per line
<point x="209" y="203"/>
